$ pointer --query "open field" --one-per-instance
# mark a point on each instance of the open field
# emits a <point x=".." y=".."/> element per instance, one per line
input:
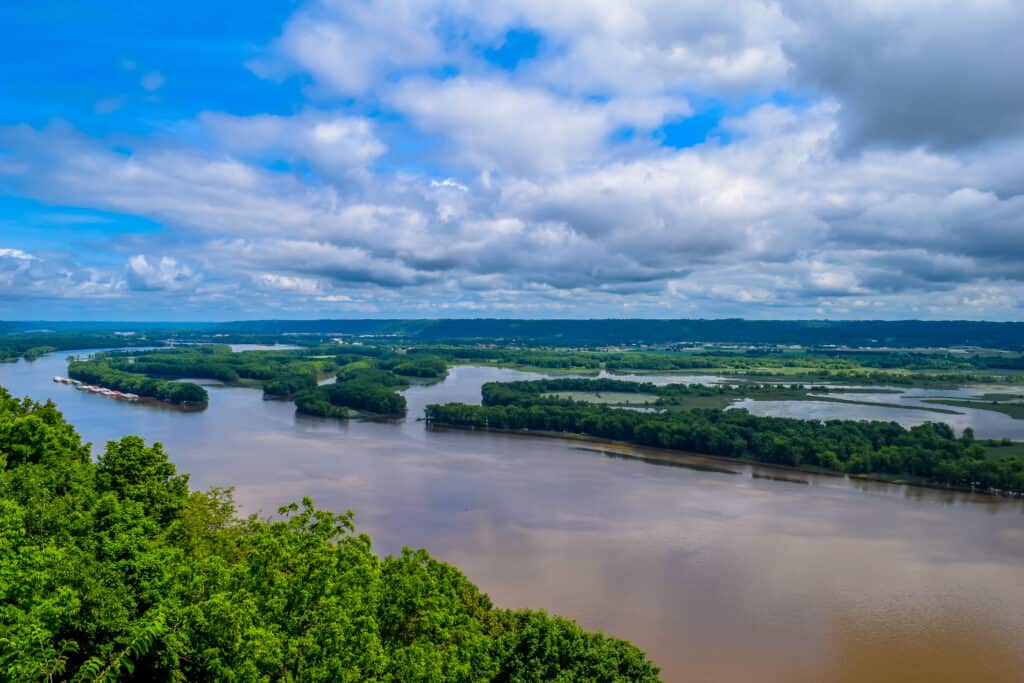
<point x="721" y="397"/>
<point x="998" y="450"/>
<point x="607" y="397"/>
<point x="1014" y="410"/>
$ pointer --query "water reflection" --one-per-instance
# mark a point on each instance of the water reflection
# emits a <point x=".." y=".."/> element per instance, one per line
<point x="720" y="577"/>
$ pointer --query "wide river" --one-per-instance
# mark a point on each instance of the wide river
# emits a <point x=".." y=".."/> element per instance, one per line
<point x="718" y="575"/>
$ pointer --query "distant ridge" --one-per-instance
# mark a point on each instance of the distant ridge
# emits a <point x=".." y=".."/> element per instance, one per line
<point x="858" y="333"/>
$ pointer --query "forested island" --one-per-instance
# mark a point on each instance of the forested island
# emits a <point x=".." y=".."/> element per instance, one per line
<point x="99" y="372"/>
<point x="368" y="378"/>
<point x="114" y="569"/>
<point x="930" y="453"/>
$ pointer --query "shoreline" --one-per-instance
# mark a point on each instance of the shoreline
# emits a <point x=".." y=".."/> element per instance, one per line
<point x="675" y="457"/>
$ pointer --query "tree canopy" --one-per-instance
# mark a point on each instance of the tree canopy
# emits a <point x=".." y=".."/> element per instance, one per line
<point x="115" y="570"/>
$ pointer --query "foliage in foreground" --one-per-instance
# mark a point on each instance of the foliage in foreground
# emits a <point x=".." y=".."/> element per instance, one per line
<point x="115" y="570"/>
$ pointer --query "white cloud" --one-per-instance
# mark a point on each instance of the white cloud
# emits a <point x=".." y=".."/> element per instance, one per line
<point x="16" y="254"/>
<point x="497" y="125"/>
<point x="349" y="46"/>
<point x="331" y="143"/>
<point x="289" y="283"/>
<point x="643" y="48"/>
<point x="30" y="276"/>
<point x="163" y="274"/>
<point x="775" y="219"/>
<point x="659" y="46"/>
<point x="526" y="192"/>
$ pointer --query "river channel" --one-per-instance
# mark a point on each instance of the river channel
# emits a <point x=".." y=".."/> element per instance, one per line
<point x="720" y="572"/>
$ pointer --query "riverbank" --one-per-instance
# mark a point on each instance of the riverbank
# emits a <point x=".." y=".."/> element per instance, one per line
<point x="668" y="456"/>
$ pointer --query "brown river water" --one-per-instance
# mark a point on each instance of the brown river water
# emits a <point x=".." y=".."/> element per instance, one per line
<point x="719" y="571"/>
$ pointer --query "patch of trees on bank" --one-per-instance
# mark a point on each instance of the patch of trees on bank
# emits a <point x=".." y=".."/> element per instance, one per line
<point x="930" y="452"/>
<point x="99" y="372"/>
<point x="113" y="569"/>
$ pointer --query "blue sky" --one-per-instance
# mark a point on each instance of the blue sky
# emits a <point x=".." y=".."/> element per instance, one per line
<point x="379" y="158"/>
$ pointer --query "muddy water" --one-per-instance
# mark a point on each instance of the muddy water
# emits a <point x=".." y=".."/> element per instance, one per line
<point x="720" y="572"/>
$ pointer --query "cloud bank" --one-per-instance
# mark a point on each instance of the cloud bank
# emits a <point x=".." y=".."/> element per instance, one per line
<point x="764" y="159"/>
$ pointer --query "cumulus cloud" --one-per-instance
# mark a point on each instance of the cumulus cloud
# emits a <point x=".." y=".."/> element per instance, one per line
<point x="905" y="74"/>
<point x="163" y="274"/>
<point x="645" y="47"/>
<point x="776" y="219"/>
<point x="658" y="46"/>
<point x="288" y="283"/>
<point x="915" y="72"/>
<point x="16" y="255"/>
<point x="870" y="161"/>
<point x="331" y="143"/>
<point x="24" y="275"/>
<point x="176" y="185"/>
<point x="348" y="46"/>
<point x="497" y="125"/>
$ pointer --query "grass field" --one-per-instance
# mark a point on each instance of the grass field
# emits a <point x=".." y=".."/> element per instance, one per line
<point x="1014" y="410"/>
<point x="997" y="449"/>
<point x="719" y="401"/>
<point x="609" y="397"/>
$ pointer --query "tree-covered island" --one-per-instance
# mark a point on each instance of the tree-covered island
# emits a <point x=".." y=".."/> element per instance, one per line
<point x="930" y="453"/>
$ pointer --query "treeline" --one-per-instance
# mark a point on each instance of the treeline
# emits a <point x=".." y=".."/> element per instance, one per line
<point x="871" y="333"/>
<point x="114" y="570"/>
<point x="668" y="395"/>
<point x="930" y="452"/>
<point x="597" y="332"/>
<point x="929" y="360"/>
<point x="31" y="346"/>
<point x="922" y="368"/>
<point x="498" y="355"/>
<point x="100" y="372"/>
<point x="527" y="392"/>
<point x="579" y="333"/>
<point x="818" y="365"/>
